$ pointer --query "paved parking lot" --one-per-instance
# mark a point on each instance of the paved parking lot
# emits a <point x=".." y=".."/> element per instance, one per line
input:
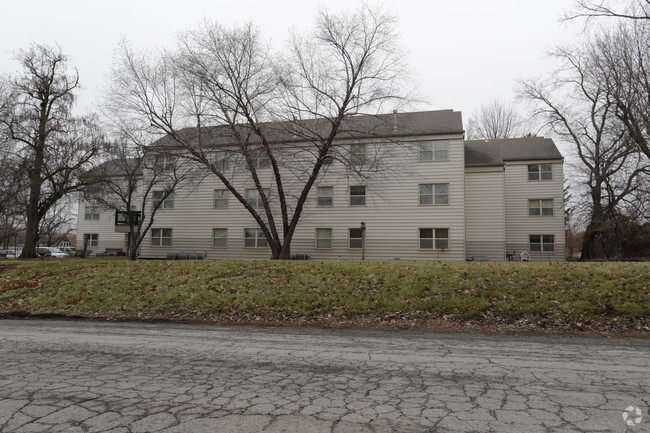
<point x="59" y="376"/>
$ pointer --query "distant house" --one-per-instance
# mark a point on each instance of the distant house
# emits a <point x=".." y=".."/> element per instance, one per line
<point x="447" y="199"/>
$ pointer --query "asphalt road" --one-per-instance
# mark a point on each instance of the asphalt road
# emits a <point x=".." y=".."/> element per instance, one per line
<point x="58" y="376"/>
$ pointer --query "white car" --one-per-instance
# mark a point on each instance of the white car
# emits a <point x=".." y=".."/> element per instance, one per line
<point x="50" y="252"/>
<point x="10" y="254"/>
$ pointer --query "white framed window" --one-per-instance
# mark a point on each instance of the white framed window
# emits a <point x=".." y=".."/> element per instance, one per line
<point x="221" y="161"/>
<point x="164" y="163"/>
<point x="261" y="158"/>
<point x="165" y="202"/>
<point x="220" y="238"/>
<point x="433" y="238"/>
<point x="254" y="199"/>
<point x="323" y="238"/>
<point x="358" y="195"/>
<point x="91" y="213"/>
<point x="91" y="239"/>
<point x="434" y="193"/>
<point x="324" y="196"/>
<point x="540" y="171"/>
<point x="254" y="238"/>
<point x="357" y="154"/>
<point x="161" y="237"/>
<point x="542" y="207"/>
<point x="542" y="243"/>
<point x="437" y="150"/>
<point x="355" y="238"/>
<point x="221" y="198"/>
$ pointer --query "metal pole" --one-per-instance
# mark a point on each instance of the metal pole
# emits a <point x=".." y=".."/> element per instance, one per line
<point x="363" y="240"/>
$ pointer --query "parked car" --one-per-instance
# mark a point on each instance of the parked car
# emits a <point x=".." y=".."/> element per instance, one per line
<point x="70" y="251"/>
<point x="10" y="254"/>
<point x="50" y="252"/>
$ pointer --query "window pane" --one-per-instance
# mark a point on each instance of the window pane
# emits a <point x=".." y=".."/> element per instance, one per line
<point x="442" y="233"/>
<point x="323" y="238"/>
<point x="325" y="194"/>
<point x="426" y="189"/>
<point x="324" y="201"/>
<point x="426" y="244"/>
<point x="166" y="242"/>
<point x="441" y="150"/>
<point x="442" y="244"/>
<point x="426" y="151"/>
<point x="426" y="233"/>
<point x="355" y="233"/>
<point x="426" y="199"/>
<point x="547" y="175"/>
<point x="442" y="193"/>
<point x="357" y="190"/>
<point x="249" y="242"/>
<point x="356" y="243"/>
<point x="262" y="243"/>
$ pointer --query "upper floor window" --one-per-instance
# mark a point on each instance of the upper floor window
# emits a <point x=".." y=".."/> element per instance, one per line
<point x="91" y="213"/>
<point x="434" y="193"/>
<point x="261" y="159"/>
<point x="164" y="162"/>
<point x="221" y="198"/>
<point x="254" y="198"/>
<point x="324" y="196"/>
<point x="163" y="200"/>
<point x="221" y="161"/>
<point x="437" y="150"/>
<point x="542" y="207"/>
<point x="542" y="243"/>
<point x="161" y="237"/>
<point x="358" y="154"/>
<point x="540" y="171"/>
<point x="358" y="195"/>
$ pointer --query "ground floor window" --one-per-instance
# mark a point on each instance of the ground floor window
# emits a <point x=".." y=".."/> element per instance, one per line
<point x="220" y="238"/>
<point x="356" y="238"/>
<point x="254" y="238"/>
<point x="431" y="238"/>
<point x="542" y="243"/>
<point x="161" y="237"/>
<point x="324" y="238"/>
<point x="91" y="239"/>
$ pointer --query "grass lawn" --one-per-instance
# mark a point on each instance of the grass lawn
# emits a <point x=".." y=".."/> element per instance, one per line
<point x="560" y="295"/>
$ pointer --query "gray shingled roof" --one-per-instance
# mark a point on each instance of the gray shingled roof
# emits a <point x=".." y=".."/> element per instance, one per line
<point x="496" y="152"/>
<point x="361" y="126"/>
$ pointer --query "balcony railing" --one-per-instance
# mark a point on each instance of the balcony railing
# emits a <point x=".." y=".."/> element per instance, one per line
<point x="125" y="218"/>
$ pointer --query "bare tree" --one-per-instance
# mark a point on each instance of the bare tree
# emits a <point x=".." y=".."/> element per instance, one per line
<point x="577" y="106"/>
<point x="634" y="10"/>
<point x="227" y="85"/>
<point x="135" y="183"/>
<point x="57" y="223"/>
<point x="53" y="145"/>
<point x="495" y="120"/>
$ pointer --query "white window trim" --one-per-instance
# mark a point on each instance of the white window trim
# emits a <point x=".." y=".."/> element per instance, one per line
<point x="361" y="238"/>
<point x="90" y="240"/>
<point x="161" y="237"/>
<point x="541" y="207"/>
<point x="541" y="244"/>
<point x="213" y="238"/>
<point x="214" y="198"/>
<point x="318" y="196"/>
<point x="539" y="172"/>
<point x="365" y="195"/>
<point x="433" y="150"/>
<point x="257" y="238"/>
<point x="434" y="239"/>
<point x="170" y="198"/>
<point x="92" y="211"/>
<point x="433" y="194"/>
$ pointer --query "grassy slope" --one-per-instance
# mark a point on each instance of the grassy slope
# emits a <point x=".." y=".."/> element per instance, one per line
<point x="609" y="293"/>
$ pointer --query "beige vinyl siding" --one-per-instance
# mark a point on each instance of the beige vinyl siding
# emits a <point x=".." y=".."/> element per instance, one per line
<point x="104" y="227"/>
<point x="519" y="224"/>
<point x="392" y="212"/>
<point x="485" y="212"/>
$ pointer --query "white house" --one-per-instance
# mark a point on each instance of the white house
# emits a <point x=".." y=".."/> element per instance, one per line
<point x="435" y="197"/>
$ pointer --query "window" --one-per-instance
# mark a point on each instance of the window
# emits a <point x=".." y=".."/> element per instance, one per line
<point x="434" y="238"/>
<point x="161" y="237"/>
<point x="358" y="195"/>
<point x="434" y="150"/>
<point x="221" y="161"/>
<point x="323" y="238"/>
<point x="324" y="196"/>
<point x="437" y="193"/>
<point x="165" y="202"/>
<point x="328" y="160"/>
<point x="221" y="198"/>
<point x="164" y="163"/>
<point x="253" y="197"/>
<point x="356" y="238"/>
<point x="540" y="207"/>
<point x="254" y="238"/>
<point x="91" y="213"/>
<point x="91" y="239"/>
<point x="261" y="159"/>
<point x="220" y="238"/>
<point x="545" y="243"/>
<point x="358" y="154"/>
<point x="540" y="171"/>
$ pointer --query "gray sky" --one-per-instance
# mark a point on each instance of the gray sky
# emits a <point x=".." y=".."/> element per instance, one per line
<point x="463" y="53"/>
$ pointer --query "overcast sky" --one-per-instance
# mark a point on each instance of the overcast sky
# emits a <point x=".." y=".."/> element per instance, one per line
<point x="463" y="53"/>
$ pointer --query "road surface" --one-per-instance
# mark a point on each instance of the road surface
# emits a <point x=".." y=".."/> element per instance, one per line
<point x="64" y="376"/>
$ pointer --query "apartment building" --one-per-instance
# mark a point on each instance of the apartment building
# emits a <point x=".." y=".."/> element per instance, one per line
<point x="421" y="192"/>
